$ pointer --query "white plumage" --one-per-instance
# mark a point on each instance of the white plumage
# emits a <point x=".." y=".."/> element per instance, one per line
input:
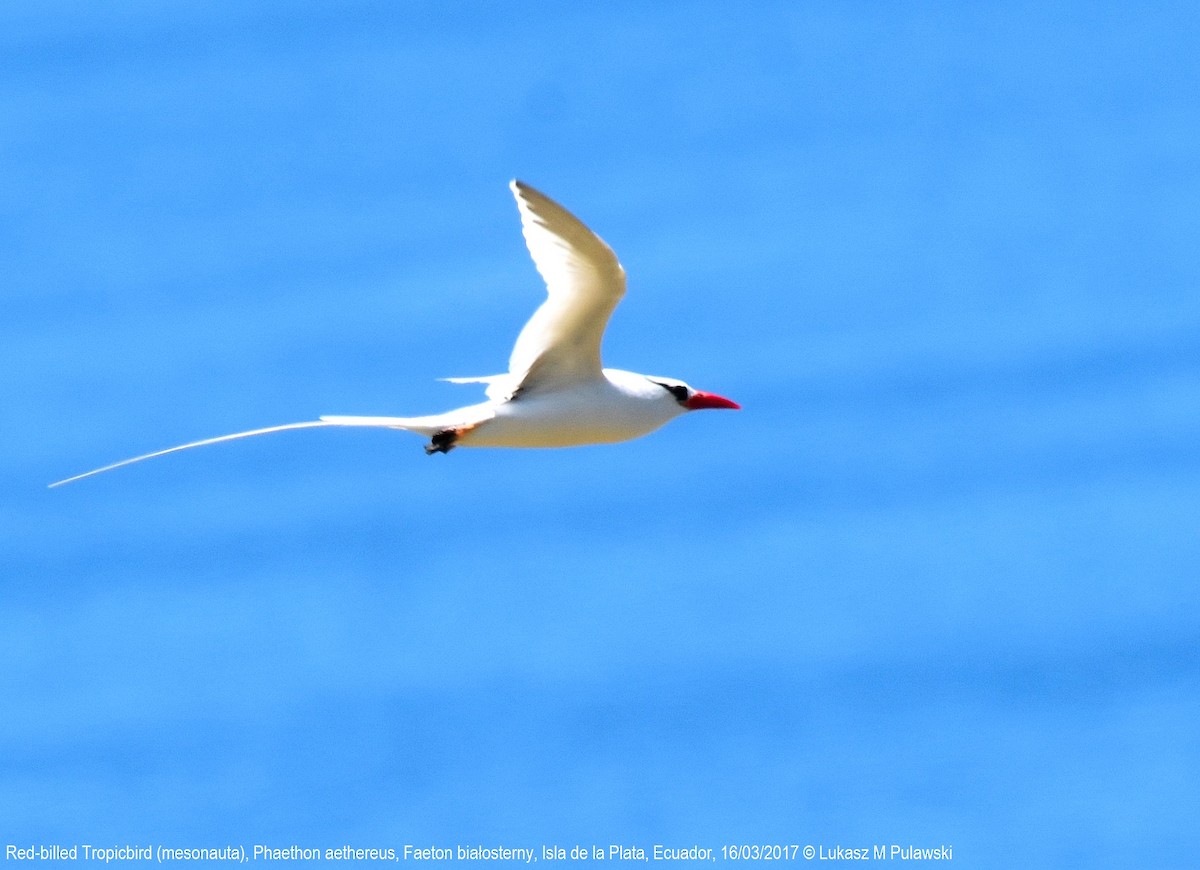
<point x="555" y="393"/>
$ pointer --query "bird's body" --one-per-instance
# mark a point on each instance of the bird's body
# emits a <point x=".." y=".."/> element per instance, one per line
<point x="619" y="406"/>
<point x="555" y="393"/>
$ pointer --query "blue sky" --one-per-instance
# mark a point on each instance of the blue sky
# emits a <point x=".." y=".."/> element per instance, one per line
<point x="936" y="583"/>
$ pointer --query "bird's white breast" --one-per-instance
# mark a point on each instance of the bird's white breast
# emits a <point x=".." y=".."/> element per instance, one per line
<point x="621" y="406"/>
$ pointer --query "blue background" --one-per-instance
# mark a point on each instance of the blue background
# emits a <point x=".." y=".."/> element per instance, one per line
<point x="936" y="584"/>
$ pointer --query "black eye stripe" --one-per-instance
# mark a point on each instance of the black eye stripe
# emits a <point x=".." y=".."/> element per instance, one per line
<point x="679" y="391"/>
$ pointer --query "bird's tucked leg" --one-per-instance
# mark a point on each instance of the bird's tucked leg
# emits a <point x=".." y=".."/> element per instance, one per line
<point x="443" y="441"/>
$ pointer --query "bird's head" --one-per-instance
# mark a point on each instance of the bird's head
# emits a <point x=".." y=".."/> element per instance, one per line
<point x="692" y="399"/>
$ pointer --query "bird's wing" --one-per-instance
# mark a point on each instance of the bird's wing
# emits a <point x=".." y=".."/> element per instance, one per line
<point x="560" y="345"/>
<point x="422" y="425"/>
<point x="499" y="387"/>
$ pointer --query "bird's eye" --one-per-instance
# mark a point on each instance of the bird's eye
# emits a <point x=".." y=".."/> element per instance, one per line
<point x="679" y="391"/>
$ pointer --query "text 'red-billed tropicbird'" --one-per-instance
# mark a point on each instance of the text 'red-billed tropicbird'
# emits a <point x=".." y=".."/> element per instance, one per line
<point x="556" y="392"/>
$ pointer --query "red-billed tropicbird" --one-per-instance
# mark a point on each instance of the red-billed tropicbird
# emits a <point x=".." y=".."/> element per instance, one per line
<point x="555" y="394"/>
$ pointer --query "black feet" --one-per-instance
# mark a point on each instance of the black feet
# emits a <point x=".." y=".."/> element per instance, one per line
<point x="441" y="442"/>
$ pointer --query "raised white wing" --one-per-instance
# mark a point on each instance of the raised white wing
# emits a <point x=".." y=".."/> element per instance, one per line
<point x="560" y="345"/>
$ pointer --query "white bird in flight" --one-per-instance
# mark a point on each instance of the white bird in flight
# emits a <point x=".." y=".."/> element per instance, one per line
<point x="556" y="392"/>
